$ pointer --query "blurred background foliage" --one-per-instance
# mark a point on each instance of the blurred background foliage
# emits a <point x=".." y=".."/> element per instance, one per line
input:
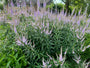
<point x="69" y="5"/>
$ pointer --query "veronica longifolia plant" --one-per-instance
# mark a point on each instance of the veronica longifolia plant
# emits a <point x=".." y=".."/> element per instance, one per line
<point x="49" y="30"/>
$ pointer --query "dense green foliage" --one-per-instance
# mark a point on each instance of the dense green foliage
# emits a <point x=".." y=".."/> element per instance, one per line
<point x="11" y="54"/>
<point x="1" y="6"/>
<point x="87" y="39"/>
<point x="37" y="44"/>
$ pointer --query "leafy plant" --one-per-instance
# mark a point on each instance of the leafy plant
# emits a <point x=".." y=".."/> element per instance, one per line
<point x="1" y="6"/>
<point x="85" y="55"/>
<point x="11" y="54"/>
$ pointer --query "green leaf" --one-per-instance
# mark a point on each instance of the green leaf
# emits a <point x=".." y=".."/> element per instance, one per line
<point x="8" y="64"/>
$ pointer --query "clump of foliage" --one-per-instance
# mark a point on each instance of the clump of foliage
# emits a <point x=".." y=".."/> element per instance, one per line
<point x="8" y="17"/>
<point x="11" y="54"/>
<point x="87" y="39"/>
<point x="85" y="55"/>
<point x="1" y="6"/>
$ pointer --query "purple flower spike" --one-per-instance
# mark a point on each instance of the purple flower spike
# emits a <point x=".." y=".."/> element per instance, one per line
<point x="18" y="5"/>
<point x="51" y="11"/>
<point x="73" y="11"/>
<point x="38" y="4"/>
<point x="89" y="15"/>
<point x="59" y="18"/>
<point x="16" y="22"/>
<point x="15" y="30"/>
<point x="79" y="12"/>
<point x="30" y="3"/>
<point x="38" y="12"/>
<point x="83" y="30"/>
<point x="35" y="14"/>
<point x="11" y="11"/>
<point x="78" y="22"/>
<point x="12" y="3"/>
<point x="74" y="16"/>
<point x="47" y="24"/>
<point x="25" y="3"/>
<point x="87" y="25"/>
<point x="44" y="4"/>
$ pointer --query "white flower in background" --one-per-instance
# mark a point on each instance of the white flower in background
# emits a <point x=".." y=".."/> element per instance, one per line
<point x="84" y="64"/>
<point x="18" y="42"/>
<point x="2" y="1"/>
<point x="22" y="41"/>
<point x="55" y="62"/>
<point x="85" y="47"/>
<point x="73" y="52"/>
<point x="87" y="64"/>
<point x="60" y="56"/>
<point x="60" y="59"/>
<point x="88" y="46"/>
<point x="48" y="32"/>
<point x="77" y="59"/>
<point x="46" y="64"/>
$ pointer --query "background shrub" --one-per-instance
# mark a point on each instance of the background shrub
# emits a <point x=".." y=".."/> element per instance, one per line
<point x="59" y="7"/>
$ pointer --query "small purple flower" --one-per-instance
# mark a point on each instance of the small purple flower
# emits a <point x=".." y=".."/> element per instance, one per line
<point x="35" y="14"/>
<point x="59" y="18"/>
<point x="87" y="25"/>
<point x="25" y="3"/>
<point x="18" y="42"/>
<point x="12" y="3"/>
<point x="51" y="11"/>
<point x="62" y="12"/>
<point x="65" y="13"/>
<point x="44" y="4"/>
<point x="41" y="16"/>
<point x="43" y="24"/>
<point x="38" y="5"/>
<point x="38" y="12"/>
<point x="47" y="25"/>
<point x="30" y="3"/>
<point x="84" y="30"/>
<point x="24" y="40"/>
<point x="79" y="12"/>
<point x="88" y="20"/>
<point x="16" y="22"/>
<point x="73" y="11"/>
<point x="74" y="16"/>
<point x="11" y="11"/>
<point x="89" y="15"/>
<point x="15" y="30"/>
<point x="78" y="22"/>
<point x="18" y="5"/>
